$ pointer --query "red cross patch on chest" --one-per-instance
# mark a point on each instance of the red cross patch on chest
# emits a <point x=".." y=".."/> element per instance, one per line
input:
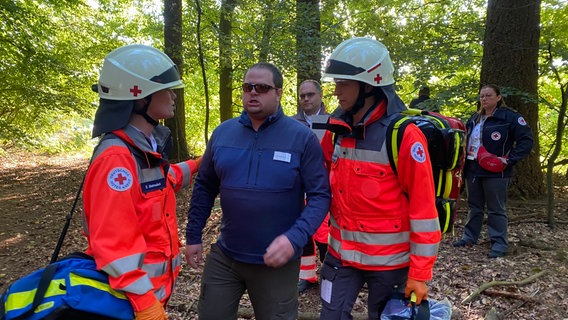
<point x="495" y="135"/>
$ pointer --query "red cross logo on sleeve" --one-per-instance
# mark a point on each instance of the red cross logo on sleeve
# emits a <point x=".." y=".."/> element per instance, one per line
<point x="119" y="179"/>
<point x="420" y="152"/>
<point x="417" y="152"/>
<point x="135" y="91"/>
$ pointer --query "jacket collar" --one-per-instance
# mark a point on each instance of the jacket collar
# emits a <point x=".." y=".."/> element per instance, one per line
<point x="340" y="122"/>
<point x="137" y="139"/>
<point x="245" y="120"/>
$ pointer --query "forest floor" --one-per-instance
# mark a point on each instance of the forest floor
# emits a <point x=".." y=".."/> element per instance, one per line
<point x="37" y="193"/>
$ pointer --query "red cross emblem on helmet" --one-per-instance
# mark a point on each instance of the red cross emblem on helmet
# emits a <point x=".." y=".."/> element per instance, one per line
<point x="378" y="77"/>
<point x="135" y="91"/>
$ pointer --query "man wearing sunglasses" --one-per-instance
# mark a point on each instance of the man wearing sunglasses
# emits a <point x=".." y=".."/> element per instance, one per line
<point x="261" y="164"/>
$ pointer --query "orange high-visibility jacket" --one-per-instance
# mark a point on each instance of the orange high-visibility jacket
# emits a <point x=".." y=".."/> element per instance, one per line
<point x="130" y="214"/>
<point x="381" y="221"/>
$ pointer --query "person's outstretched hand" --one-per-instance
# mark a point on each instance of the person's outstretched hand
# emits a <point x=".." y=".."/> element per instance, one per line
<point x="153" y="312"/>
<point x="418" y="287"/>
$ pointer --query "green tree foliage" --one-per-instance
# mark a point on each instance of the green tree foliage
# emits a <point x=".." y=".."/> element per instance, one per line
<point x="52" y="52"/>
<point x="554" y="55"/>
<point x="437" y="43"/>
<point x="42" y="71"/>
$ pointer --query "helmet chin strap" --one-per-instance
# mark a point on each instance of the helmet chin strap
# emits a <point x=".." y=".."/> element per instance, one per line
<point x="150" y="120"/>
<point x="144" y="112"/>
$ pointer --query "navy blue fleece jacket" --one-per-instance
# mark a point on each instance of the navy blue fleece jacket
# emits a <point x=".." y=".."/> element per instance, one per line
<point x="262" y="177"/>
<point x="505" y="133"/>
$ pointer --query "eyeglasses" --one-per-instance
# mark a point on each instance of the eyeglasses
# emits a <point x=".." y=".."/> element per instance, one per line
<point x="307" y="95"/>
<point x="258" y="87"/>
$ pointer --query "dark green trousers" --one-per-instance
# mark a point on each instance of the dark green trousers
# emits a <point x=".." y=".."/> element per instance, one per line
<point x="273" y="292"/>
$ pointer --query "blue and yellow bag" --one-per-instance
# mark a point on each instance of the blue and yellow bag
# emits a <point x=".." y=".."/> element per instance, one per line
<point x="71" y="288"/>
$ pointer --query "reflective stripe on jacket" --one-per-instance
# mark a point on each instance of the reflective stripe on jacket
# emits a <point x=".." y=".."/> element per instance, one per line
<point x="380" y="221"/>
<point x="130" y="214"/>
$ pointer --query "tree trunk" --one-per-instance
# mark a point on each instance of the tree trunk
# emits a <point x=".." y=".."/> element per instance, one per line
<point x="266" y="31"/>
<point x="203" y="71"/>
<point x="308" y="43"/>
<point x="560" y="126"/>
<point x="510" y="60"/>
<point x="225" y="62"/>
<point x="173" y="47"/>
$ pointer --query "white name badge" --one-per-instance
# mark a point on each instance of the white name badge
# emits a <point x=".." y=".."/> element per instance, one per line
<point x="282" y="156"/>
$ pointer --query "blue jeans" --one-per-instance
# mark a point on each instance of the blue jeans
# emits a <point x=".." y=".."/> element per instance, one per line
<point x="490" y="193"/>
<point x="341" y="285"/>
<point x="273" y="292"/>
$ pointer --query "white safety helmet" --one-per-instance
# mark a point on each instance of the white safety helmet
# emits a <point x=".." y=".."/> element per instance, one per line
<point x="361" y="59"/>
<point x="136" y="71"/>
<point x="131" y="73"/>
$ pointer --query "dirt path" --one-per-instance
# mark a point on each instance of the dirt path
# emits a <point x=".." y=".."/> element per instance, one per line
<point x="36" y="193"/>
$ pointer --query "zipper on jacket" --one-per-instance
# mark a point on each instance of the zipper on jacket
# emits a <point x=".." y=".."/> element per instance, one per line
<point x="251" y="157"/>
<point x="257" y="167"/>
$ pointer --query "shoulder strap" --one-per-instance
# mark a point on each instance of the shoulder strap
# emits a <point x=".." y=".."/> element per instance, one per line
<point x="395" y="132"/>
<point x="42" y="286"/>
<point x="69" y="216"/>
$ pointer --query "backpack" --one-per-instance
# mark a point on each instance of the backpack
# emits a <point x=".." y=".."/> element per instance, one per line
<point x="446" y="145"/>
<point x="71" y="288"/>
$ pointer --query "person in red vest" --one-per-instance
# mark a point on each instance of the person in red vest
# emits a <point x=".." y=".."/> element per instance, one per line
<point x="384" y="228"/>
<point x="312" y="106"/>
<point x="129" y="203"/>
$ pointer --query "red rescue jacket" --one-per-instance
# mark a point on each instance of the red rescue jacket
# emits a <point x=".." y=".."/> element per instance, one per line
<point x="380" y="221"/>
<point x="130" y="214"/>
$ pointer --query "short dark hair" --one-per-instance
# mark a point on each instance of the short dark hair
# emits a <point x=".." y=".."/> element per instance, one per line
<point x="276" y="74"/>
<point x="424" y="91"/>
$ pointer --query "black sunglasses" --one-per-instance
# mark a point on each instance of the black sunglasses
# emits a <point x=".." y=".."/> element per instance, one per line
<point x="258" y="87"/>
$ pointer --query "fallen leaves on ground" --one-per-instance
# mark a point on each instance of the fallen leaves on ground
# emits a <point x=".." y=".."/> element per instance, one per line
<point x="37" y="193"/>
